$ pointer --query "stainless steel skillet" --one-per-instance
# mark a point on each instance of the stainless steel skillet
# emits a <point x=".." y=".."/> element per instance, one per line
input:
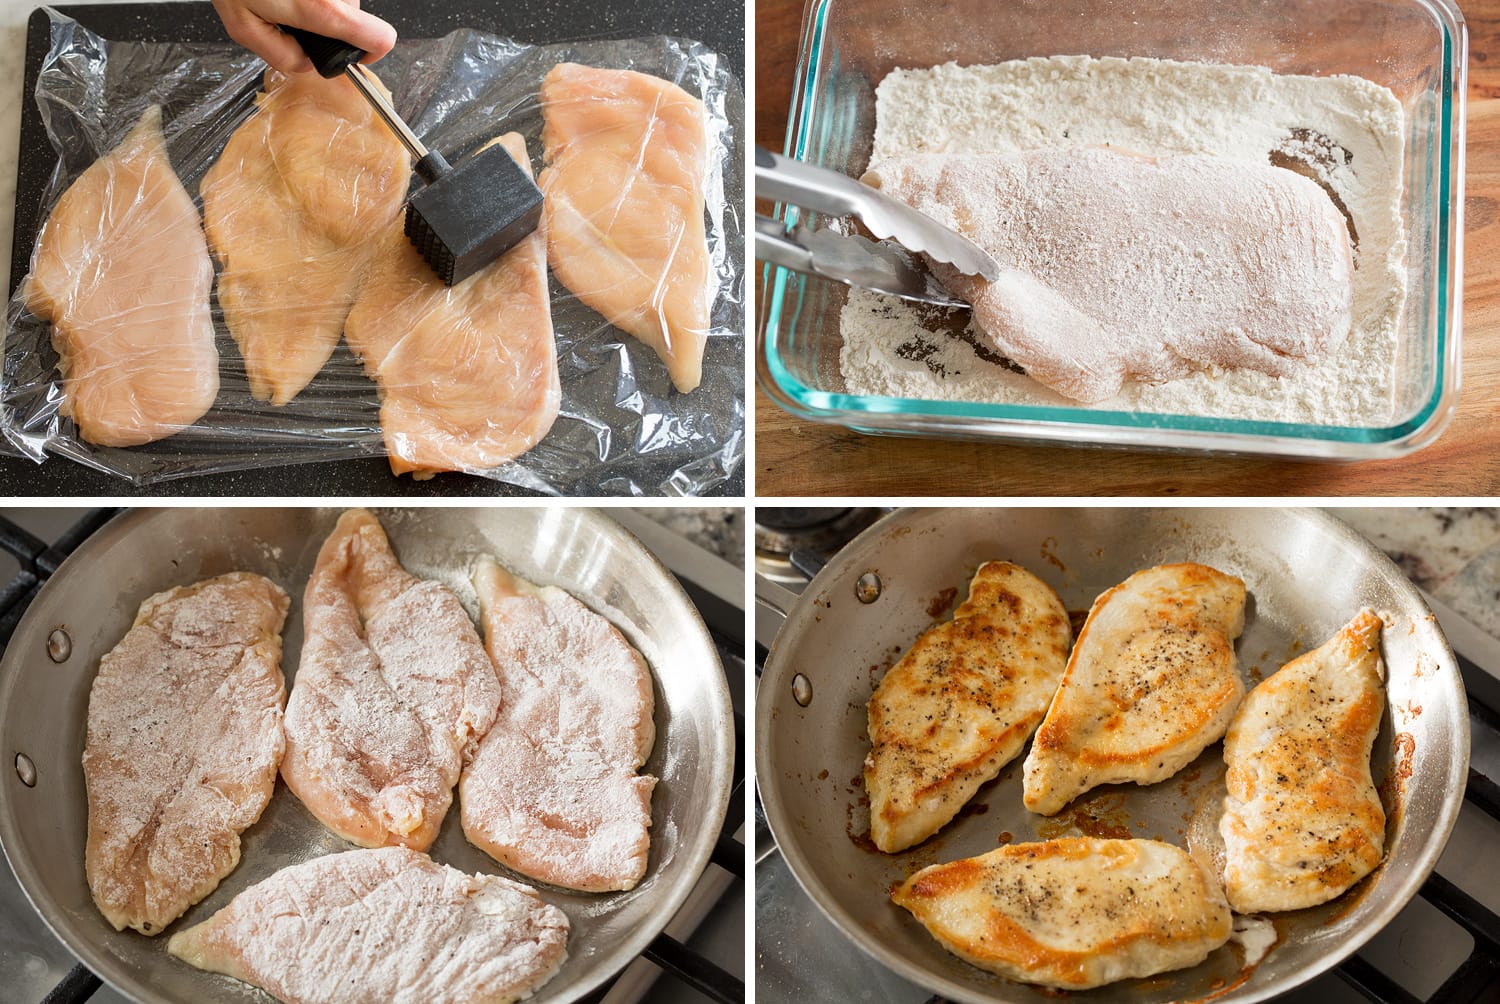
<point x="93" y="598"/>
<point x="1307" y="575"/>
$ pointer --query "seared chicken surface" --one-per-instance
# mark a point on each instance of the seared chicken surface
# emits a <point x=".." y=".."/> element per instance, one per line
<point x="1152" y="681"/>
<point x="1072" y="913"/>
<point x="961" y="703"/>
<point x="1302" y="821"/>
<point x="392" y="693"/>
<point x="385" y="926"/>
<point x="183" y="741"/>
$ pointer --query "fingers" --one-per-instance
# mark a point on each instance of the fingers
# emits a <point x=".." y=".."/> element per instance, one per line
<point x="252" y="23"/>
<point x="262" y="38"/>
<point x="347" y="22"/>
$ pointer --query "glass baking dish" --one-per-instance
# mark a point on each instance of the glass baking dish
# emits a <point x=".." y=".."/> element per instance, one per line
<point x="1417" y="48"/>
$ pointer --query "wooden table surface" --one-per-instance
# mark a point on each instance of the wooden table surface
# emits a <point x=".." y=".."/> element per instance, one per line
<point x="797" y="457"/>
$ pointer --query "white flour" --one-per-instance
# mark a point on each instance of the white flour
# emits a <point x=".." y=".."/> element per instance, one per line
<point x="1348" y="130"/>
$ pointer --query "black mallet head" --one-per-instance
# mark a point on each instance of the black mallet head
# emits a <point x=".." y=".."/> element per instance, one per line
<point x="467" y="216"/>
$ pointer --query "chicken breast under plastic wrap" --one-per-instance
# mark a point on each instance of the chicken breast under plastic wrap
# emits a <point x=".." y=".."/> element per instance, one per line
<point x="291" y="208"/>
<point x="1303" y="821"/>
<point x="1072" y="913"/>
<point x="1151" y="682"/>
<point x="392" y="692"/>
<point x="962" y="702"/>
<point x="1117" y="266"/>
<point x="627" y="160"/>
<point x="467" y="374"/>
<point x="553" y="791"/>
<point x="182" y="745"/>
<point x="122" y="271"/>
<point x="386" y="926"/>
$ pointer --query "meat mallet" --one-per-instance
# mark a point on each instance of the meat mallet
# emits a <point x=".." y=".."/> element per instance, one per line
<point x="463" y="217"/>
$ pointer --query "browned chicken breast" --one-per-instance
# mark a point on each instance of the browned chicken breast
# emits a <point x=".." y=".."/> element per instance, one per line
<point x="1151" y="682"/>
<point x="1072" y="913"/>
<point x="183" y="741"/>
<point x="961" y="703"/>
<point x="1302" y="821"/>
<point x="385" y="926"/>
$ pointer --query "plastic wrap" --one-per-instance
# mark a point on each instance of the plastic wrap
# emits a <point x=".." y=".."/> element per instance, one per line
<point x="620" y="428"/>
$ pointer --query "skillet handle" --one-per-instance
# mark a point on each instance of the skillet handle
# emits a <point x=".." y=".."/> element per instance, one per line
<point x="76" y="987"/>
<point x="772" y="604"/>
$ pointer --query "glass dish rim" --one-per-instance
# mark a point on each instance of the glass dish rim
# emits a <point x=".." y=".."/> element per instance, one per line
<point x="877" y="413"/>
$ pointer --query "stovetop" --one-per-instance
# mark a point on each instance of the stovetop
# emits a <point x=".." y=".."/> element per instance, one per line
<point x="1443" y="948"/>
<point x="703" y="947"/>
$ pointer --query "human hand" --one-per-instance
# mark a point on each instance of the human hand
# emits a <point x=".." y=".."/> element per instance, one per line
<point x="252" y="23"/>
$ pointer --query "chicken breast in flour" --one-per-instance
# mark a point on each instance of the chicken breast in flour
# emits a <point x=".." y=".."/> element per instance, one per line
<point x="182" y="745"/>
<point x="392" y="692"/>
<point x="122" y="271"/>
<point x="962" y="702"/>
<point x="1302" y="821"/>
<point x="1072" y="913"/>
<point x="1152" y="681"/>
<point x="387" y="926"/>
<point x="1115" y="266"/>
<point x="553" y="791"/>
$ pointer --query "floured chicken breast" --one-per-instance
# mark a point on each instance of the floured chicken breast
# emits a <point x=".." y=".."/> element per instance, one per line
<point x="1116" y="266"/>
<point x="627" y="161"/>
<point x="1072" y="913"/>
<point x="961" y="703"/>
<point x="467" y="374"/>
<point x="392" y="692"/>
<point x="386" y="926"/>
<point x="1302" y="821"/>
<point x="290" y="208"/>
<point x="182" y="746"/>
<point x="1152" y="681"/>
<point x="122" y="271"/>
<point x="553" y="791"/>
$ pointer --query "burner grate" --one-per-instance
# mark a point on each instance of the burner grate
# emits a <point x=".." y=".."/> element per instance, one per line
<point x="39" y="560"/>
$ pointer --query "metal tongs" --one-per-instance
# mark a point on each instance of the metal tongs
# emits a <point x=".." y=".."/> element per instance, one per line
<point x="849" y="258"/>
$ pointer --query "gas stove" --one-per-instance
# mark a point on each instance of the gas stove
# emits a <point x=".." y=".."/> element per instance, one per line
<point x="1443" y="948"/>
<point x="702" y="948"/>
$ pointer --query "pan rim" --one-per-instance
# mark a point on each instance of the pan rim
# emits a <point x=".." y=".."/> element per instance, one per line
<point x="691" y="857"/>
<point x="1401" y="892"/>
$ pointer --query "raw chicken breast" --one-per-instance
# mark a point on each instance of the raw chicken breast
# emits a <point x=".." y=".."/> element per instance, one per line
<point x="468" y="374"/>
<point x="962" y="702"/>
<point x="627" y="157"/>
<point x="553" y="791"/>
<point x="392" y="691"/>
<point x="1116" y="266"/>
<point x="122" y="272"/>
<point x="183" y="742"/>
<point x="1072" y="913"/>
<point x="291" y="207"/>
<point x="387" y="926"/>
<point x="1152" y="681"/>
<point x="1302" y="821"/>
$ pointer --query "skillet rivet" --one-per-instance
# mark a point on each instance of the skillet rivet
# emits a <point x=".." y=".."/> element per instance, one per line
<point x="802" y="690"/>
<point x="26" y="770"/>
<point x="867" y="589"/>
<point x="59" y="645"/>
